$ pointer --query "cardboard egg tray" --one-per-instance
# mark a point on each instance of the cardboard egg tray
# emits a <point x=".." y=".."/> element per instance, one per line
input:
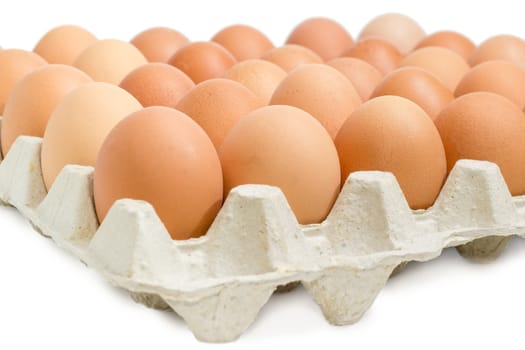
<point x="218" y="283"/>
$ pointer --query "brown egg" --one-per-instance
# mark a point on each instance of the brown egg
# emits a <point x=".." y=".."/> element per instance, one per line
<point x="203" y="60"/>
<point x="80" y="123"/>
<point x="486" y="126"/>
<point x="320" y="90"/>
<point x="158" y="44"/>
<point x="217" y="105"/>
<point x="34" y="98"/>
<point x="417" y="85"/>
<point x="260" y="76"/>
<point x="284" y="146"/>
<point x="400" y="30"/>
<point x="361" y="74"/>
<point x="445" y="64"/>
<point x="14" y="65"/>
<point x="500" y="47"/>
<point x="391" y="133"/>
<point x="325" y="36"/>
<point x="501" y="77"/>
<point x="64" y="43"/>
<point x="244" y="42"/>
<point x="454" y="41"/>
<point x="174" y="167"/>
<point x="290" y="56"/>
<point x="109" y="60"/>
<point x="157" y="84"/>
<point x="379" y="53"/>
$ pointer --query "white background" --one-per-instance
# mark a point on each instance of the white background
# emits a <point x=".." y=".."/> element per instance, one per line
<point x="50" y="300"/>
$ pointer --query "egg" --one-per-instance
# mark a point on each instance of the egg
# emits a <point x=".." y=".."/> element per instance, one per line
<point x="501" y="77"/>
<point x="326" y="37"/>
<point x="174" y="167"/>
<point x="80" y="123"/>
<point x="417" y="85"/>
<point x="109" y="60"/>
<point x="34" y="98"/>
<point x="452" y="40"/>
<point x="157" y="84"/>
<point x="203" y="60"/>
<point x="64" y="43"/>
<point x="400" y="30"/>
<point x="320" y="90"/>
<point x="378" y="52"/>
<point x="445" y="64"/>
<point x="361" y="74"/>
<point x="260" y="76"/>
<point x="290" y="56"/>
<point x="500" y="47"/>
<point x="217" y="105"/>
<point x="286" y="147"/>
<point x="158" y="44"/>
<point x="486" y="126"/>
<point x="393" y="134"/>
<point x="243" y="41"/>
<point x="14" y="65"/>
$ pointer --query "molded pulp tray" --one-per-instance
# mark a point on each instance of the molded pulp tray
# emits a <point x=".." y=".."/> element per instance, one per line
<point x="219" y="282"/>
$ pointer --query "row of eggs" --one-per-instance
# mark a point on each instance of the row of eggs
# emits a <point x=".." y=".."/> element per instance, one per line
<point x="179" y="124"/>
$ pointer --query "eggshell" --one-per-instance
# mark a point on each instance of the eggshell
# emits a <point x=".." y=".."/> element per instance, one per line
<point x="260" y="76"/>
<point x="400" y="30"/>
<point x="320" y="90"/>
<point x="445" y="64"/>
<point x="486" y="126"/>
<point x="158" y="44"/>
<point x="391" y="133"/>
<point x="361" y="74"/>
<point x="378" y="52"/>
<point x="174" y="167"/>
<point x="217" y="104"/>
<point x="34" y="98"/>
<point x="290" y="56"/>
<point x="203" y="60"/>
<point x="417" y="85"/>
<point x="157" y="84"/>
<point x="244" y="42"/>
<point x="501" y="77"/>
<point x="14" y="65"/>
<point x="325" y="36"/>
<point x="286" y="147"/>
<point x="109" y="60"/>
<point x="452" y="40"/>
<point x="80" y="123"/>
<point x="500" y="47"/>
<point x="64" y="43"/>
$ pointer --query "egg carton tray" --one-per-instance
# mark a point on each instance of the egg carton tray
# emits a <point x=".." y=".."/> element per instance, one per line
<point x="218" y="283"/>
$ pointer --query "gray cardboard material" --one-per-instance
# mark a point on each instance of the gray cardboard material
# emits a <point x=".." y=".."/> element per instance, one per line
<point x="218" y="283"/>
